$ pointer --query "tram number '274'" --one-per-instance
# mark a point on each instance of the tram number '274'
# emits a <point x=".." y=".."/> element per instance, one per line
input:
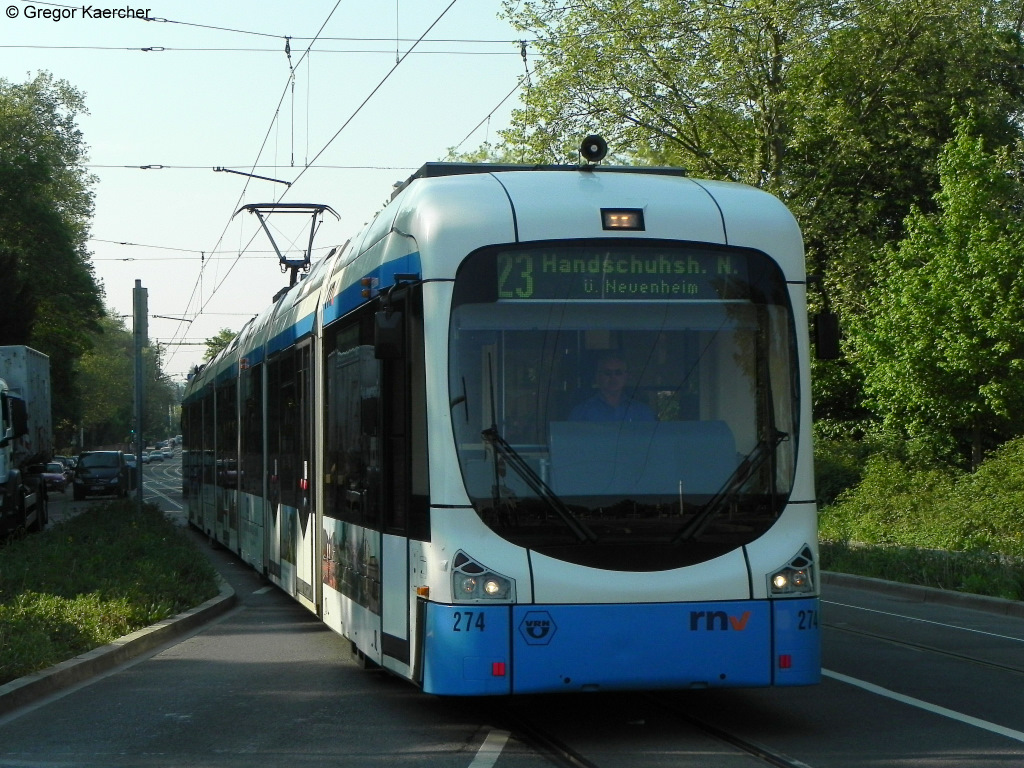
<point x="468" y="621"/>
<point x="807" y="620"/>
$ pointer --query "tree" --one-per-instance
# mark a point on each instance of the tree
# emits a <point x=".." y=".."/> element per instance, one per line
<point x="840" y="107"/>
<point x="49" y="298"/>
<point x="702" y="85"/>
<point x="215" y="344"/>
<point x="107" y="377"/>
<point x="939" y="341"/>
<point x="880" y="97"/>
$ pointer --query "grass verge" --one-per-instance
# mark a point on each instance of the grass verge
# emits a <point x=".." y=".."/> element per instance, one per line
<point x="979" y="573"/>
<point x="920" y="522"/>
<point x="97" y="577"/>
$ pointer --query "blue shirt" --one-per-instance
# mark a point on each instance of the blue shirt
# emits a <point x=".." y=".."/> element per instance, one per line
<point x="596" y="409"/>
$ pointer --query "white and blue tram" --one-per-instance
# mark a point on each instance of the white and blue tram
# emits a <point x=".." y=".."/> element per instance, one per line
<point x="398" y="442"/>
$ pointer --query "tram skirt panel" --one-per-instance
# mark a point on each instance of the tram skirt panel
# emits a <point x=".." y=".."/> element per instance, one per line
<point x="466" y="650"/>
<point x="500" y="650"/>
<point x="618" y="647"/>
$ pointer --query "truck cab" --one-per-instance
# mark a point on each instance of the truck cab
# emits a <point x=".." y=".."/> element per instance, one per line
<point x="22" y="496"/>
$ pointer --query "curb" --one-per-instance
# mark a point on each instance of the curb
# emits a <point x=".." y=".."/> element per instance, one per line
<point x="26" y="690"/>
<point x="1014" y="608"/>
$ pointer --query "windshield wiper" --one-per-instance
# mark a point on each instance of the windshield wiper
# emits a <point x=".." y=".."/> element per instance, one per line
<point x="492" y="437"/>
<point x="763" y="451"/>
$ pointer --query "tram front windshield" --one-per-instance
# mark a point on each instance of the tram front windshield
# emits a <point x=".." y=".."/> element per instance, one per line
<point x="624" y="405"/>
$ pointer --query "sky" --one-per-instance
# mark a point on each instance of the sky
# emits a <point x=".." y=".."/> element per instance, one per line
<point x="372" y="90"/>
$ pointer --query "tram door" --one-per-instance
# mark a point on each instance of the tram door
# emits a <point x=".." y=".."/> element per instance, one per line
<point x="394" y="544"/>
<point x="225" y="508"/>
<point x="404" y="497"/>
<point x="290" y="464"/>
<point x="369" y="439"/>
<point x="352" y="461"/>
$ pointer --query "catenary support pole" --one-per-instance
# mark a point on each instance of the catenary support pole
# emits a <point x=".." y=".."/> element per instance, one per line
<point x="140" y="303"/>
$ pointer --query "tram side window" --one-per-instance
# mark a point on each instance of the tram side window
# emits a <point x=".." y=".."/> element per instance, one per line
<point x="227" y="435"/>
<point x="284" y="429"/>
<point x="251" y="459"/>
<point x="209" y="430"/>
<point x="353" y="443"/>
<point x="415" y="520"/>
<point x="191" y="431"/>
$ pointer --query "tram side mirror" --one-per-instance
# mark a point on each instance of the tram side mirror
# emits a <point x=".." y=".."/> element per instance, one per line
<point x="388" y="335"/>
<point x="826" y="335"/>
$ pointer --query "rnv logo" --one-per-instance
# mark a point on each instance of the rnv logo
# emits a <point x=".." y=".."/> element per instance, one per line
<point x="717" y="620"/>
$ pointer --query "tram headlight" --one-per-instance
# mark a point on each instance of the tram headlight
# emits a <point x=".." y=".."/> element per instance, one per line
<point x="795" y="578"/>
<point x="472" y="582"/>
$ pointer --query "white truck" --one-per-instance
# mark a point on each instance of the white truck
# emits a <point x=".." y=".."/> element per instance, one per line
<point x="26" y="438"/>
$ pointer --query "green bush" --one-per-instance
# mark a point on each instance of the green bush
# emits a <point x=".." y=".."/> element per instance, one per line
<point x="838" y="466"/>
<point x="91" y="580"/>
<point x="926" y="524"/>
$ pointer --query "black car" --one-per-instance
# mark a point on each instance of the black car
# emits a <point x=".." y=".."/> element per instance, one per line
<point x="101" y="473"/>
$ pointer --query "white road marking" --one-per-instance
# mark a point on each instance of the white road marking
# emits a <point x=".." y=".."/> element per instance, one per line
<point x="933" y="708"/>
<point x="926" y="621"/>
<point x="490" y="750"/>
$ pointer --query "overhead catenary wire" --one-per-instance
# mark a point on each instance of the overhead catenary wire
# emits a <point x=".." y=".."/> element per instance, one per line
<point x="217" y="263"/>
<point x="371" y="95"/>
<point x="323" y="149"/>
<point x="487" y="117"/>
<point x="197" y="287"/>
<point x="239" y="253"/>
<point x="275" y="51"/>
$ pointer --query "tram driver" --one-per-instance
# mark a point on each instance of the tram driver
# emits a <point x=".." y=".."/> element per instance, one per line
<point x="611" y="402"/>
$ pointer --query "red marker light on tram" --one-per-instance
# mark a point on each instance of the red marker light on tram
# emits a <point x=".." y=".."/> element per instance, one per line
<point x="498" y="669"/>
<point x="785" y="661"/>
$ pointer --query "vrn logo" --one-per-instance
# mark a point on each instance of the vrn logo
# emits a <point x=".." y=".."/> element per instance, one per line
<point x="537" y="628"/>
<point x="710" y="621"/>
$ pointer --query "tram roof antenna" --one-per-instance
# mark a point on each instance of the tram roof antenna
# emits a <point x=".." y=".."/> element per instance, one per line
<point x="315" y="210"/>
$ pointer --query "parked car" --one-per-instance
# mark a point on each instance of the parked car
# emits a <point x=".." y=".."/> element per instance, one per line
<point x="168" y="453"/>
<point x="54" y="475"/>
<point x="101" y="473"/>
<point x="156" y="455"/>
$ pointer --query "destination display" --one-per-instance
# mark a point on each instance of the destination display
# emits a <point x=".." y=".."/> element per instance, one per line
<point x="568" y="274"/>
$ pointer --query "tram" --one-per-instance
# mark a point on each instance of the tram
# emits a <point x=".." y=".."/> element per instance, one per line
<point x="535" y="429"/>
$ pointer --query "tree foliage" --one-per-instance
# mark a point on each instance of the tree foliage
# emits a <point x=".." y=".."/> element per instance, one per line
<point x="839" y="107"/>
<point x="49" y="298"/>
<point x="107" y="375"/>
<point x="216" y="343"/>
<point x="940" y="340"/>
<point x="703" y="85"/>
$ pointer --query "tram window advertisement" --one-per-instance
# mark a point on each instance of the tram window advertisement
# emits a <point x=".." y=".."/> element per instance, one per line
<point x="640" y="398"/>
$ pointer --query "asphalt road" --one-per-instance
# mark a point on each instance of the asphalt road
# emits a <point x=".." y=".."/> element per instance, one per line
<point x="910" y="680"/>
